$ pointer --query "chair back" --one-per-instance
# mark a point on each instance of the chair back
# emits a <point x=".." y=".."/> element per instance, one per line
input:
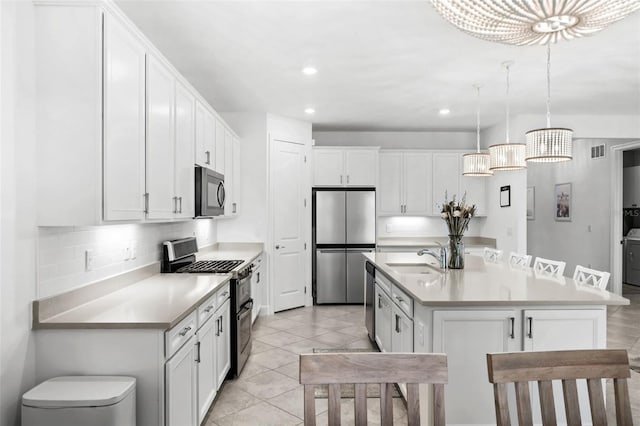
<point x="547" y="266"/>
<point x="521" y="368"/>
<point x="586" y="276"/>
<point x="362" y="368"/>
<point x="492" y="255"/>
<point x="519" y="260"/>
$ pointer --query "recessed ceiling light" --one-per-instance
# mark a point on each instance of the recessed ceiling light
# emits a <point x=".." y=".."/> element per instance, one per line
<point x="309" y="70"/>
<point x="310" y="110"/>
<point x="444" y="111"/>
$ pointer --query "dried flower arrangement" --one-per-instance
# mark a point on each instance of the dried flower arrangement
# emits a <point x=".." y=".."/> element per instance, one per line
<point x="457" y="214"/>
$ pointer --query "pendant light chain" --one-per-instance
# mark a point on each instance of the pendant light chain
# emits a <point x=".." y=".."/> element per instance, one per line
<point x="548" y="85"/>
<point x="478" y="119"/>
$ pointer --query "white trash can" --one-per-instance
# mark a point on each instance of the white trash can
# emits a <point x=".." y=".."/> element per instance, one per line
<point x="81" y="400"/>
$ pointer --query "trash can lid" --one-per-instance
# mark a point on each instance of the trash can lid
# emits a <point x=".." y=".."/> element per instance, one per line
<point x="79" y="391"/>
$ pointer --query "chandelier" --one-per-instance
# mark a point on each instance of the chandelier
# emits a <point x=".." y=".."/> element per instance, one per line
<point x="549" y="144"/>
<point x="507" y="156"/>
<point x="476" y="163"/>
<point x="526" y="22"/>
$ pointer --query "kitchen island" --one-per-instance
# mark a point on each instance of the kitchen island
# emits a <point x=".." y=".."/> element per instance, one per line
<point x="486" y="307"/>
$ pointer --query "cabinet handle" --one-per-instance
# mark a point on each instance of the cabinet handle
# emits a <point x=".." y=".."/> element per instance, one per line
<point x="257" y="277"/>
<point x="175" y="204"/>
<point x="379" y="301"/>
<point x="234" y="207"/>
<point x="221" y="330"/>
<point x="208" y="308"/>
<point x="185" y="331"/>
<point x="397" y="323"/>
<point x="198" y="353"/>
<point x="513" y="327"/>
<point x="146" y="202"/>
<point x="208" y="154"/>
<point x="399" y="299"/>
<point x="530" y="323"/>
<point x="218" y="326"/>
<point x="180" y="198"/>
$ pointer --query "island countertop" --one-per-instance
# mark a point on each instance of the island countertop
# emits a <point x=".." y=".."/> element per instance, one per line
<point x="482" y="283"/>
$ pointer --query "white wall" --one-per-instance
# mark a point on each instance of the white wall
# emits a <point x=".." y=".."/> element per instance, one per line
<point x="18" y="230"/>
<point x="398" y="140"/>
<point x="61" y="250"/>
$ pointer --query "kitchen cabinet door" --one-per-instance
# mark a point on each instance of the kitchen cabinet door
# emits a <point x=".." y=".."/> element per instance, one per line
<point x="446" y="175"/>
<point x="205" y="136"/>
<point x="401" y="331"/>
<point x="417" y="183"/>
<point x="124" y="124"/>
<point x="221" y="135"/>
<point x="390" y="190"/>
<point x="223" y="342"/>
<point x="237" y="176"/>
<point x="206" y="366"/>
<point x="360" y="167"/>
<point x="184" y="153"/>
<point x="160" y="141"/>
<point x="230" y="185"/>
<point x="328" y="166"/>
<point x="181" y="387"/>
<point x="257" y="284"/>
<point x="466" y="336"/>
<point x="383" y="319"/>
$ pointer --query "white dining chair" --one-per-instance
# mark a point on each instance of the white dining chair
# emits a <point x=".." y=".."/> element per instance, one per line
<point x="492" y="255"/>
<point x="550" y="267"/>
<point x="592" y="277"/>
<point x="519" y="260"/>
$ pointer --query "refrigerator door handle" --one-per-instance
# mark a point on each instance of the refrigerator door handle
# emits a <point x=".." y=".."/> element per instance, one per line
<point x="330" y="250"/>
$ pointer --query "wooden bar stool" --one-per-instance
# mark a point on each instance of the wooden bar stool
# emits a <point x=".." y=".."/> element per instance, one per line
<point x="373" y="367"/>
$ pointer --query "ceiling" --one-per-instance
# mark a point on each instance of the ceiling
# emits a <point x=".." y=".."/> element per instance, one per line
<point x="382" y="65"/>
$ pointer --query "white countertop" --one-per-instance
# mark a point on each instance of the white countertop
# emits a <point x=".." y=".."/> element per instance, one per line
<point x="487" y="284"/>
<point x="151" y="300"/>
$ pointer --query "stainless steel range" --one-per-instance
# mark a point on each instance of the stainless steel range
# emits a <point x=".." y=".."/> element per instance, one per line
<point x="178" y="256"/>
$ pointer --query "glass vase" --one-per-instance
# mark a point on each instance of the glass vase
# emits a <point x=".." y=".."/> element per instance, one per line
<point x="456" y="252"/>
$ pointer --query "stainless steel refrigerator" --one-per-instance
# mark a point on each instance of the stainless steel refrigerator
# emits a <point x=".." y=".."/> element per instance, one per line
<point x="344" y="227"/>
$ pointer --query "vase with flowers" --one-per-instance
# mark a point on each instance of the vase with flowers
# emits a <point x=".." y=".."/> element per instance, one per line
<point x="457" y="215"/>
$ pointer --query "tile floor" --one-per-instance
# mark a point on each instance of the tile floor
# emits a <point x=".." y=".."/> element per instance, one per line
<point x="268" y="393"/>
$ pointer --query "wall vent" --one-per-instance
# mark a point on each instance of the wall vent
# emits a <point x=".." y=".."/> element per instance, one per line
<point x="597" y="151"/>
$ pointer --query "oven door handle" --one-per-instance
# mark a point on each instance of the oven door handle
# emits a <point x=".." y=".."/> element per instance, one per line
<point x="248" y="305"/>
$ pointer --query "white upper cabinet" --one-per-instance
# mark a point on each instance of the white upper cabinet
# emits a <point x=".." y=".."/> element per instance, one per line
<point x="161" y="203"/>
<point x="124" y="117"/>
<point x="447" y="176"/>
<point x="405" y="183"/>
<point x="205" y="136"/>
<point x="345" y="167"/>
<point x="231" y="176"/>
<point x="184" y="153"/>
<point x="222" y="134"/>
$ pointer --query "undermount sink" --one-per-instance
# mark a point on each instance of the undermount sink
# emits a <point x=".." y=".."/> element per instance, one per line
<point x="412" y="268"/>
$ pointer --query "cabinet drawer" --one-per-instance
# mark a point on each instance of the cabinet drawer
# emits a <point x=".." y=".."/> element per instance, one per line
<point x="206" y="309"/>
<point x="384" y="283"/>
<point x="177" y="336"/>
<point x="402" y="299"/>
<point x="222" y="294"/>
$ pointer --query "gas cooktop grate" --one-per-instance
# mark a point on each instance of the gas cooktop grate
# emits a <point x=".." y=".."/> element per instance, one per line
<point x="211" y="266"/>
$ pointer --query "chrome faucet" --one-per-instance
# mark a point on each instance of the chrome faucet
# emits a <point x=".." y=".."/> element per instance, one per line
<point x="441" y="255"/>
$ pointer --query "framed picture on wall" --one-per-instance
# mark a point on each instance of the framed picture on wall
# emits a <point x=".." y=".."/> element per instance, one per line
<point x="531" y="203"/>
<point x="563" y="202"/>
<point x="505" y="196"/>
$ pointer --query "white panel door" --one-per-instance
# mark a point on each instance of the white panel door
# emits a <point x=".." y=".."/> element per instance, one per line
<point x="160" y="141"/>
<point x="218" y="143"/>
<point x="181" y="388"/>
<point x="207" y="384"/>
<point x="445" y="179"/>
<point x="466" y="337"/>
<point x="328" y="166"/>
<point x="417" y="183"/>
<point x="287" y="189"/>
<point x="205" y="135"/>
<point x="223" y="342"/>
<point x="124" y="124"/>
<point x="184" y="152"/>
<point x="360" y="167"/>
<point x="229" y="176"/>
<point x="389" y="191"/>
<point x="401" y="330"/>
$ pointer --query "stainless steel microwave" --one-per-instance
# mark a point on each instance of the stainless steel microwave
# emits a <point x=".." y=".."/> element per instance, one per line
<point x="209" y="192"/>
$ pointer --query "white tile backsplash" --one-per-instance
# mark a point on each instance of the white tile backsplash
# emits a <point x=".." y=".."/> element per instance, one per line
<point x="422" y="226"/>
<point x="61" y="250"/>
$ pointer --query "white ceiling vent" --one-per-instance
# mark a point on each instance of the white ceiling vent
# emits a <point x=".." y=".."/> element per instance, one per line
<point x="597" y="151"/>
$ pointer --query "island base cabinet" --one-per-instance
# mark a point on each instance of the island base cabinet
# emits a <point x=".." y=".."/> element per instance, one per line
<point x="466" y="336"/>
<point x="181" y="387"/>
<point x="206" y="363"/>
<point x="382" y="320"/>
<point x="223" y="342"/>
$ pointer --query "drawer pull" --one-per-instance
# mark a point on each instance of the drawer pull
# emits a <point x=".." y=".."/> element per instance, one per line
<point x="513" y="327"/>
<point x="208" y="308"/>
<point x="185" y="331"/>
<point x="225" y="294"/>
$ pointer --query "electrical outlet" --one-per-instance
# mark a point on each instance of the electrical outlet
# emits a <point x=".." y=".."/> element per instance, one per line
<point x="126" y="253"/>
<point x="88" y="260"/>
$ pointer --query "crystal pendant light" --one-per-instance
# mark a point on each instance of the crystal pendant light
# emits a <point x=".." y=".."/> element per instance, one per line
<point x="476" y="163"/>
<point x="550" y="144"/>
<point x="507" y="156"/>
<point x="533" y="21"/>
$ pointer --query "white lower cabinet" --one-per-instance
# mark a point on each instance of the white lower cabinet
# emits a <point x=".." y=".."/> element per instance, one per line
<point x="181" y="387"/>
<point x="206" y="362"/>
<point x="383" y="319"/>
<point x="257" y="284"/>
<point x="223" y="341"/>
<point x="402" y="331"/>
